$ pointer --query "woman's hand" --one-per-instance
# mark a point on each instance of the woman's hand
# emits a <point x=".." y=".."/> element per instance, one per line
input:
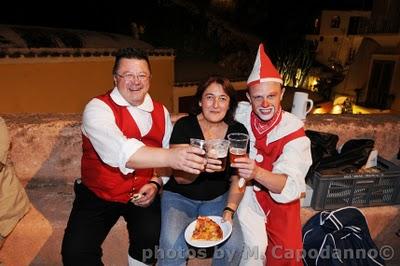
<point x="227" y="216"/>
<point x="213" y="163"/>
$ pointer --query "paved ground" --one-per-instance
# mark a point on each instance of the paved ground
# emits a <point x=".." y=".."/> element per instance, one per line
<point x="36" y="240"/>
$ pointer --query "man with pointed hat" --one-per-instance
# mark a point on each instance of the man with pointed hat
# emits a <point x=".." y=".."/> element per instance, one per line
<point x="275" y="171"/>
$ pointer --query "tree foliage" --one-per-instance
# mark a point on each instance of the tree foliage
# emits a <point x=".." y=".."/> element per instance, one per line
<point x="293" y="61"/>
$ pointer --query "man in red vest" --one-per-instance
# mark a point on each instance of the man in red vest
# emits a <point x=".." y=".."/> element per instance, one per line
<point x="278" y="163"/>
<point x="124" y="133"/>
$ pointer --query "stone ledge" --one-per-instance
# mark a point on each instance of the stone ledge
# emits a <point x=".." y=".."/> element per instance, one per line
<point x="45" y="145"/>
<point x="49" y="145"/>
<point x="383" y="128"/>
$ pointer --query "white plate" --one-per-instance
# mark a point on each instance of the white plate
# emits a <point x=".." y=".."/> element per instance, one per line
<point x="226" y="232"/>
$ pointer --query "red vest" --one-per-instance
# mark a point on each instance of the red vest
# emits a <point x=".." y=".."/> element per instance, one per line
<point x="108" y="182"/>
<point x="283" y="219"/>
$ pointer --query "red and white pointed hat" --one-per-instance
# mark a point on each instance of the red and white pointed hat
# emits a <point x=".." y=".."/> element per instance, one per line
<point x="263" y="69"/>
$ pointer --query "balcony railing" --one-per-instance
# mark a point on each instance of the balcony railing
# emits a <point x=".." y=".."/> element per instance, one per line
<point x="368" y="26"/>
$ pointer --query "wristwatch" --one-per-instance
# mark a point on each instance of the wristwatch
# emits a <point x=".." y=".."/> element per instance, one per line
<point x="155" y="183"/>
<point x="228" y="209"/>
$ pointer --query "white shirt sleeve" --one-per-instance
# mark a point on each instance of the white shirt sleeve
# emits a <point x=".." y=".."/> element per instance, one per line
<point x="242" y="115"/>
<point x="167" y="136"/>
<point x="114" y="149"/>
<point x="168" y="129"/>
<point x="294" y="161"/>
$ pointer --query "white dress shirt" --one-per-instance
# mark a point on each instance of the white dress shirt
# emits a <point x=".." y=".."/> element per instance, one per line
<point x="113" y="147"/>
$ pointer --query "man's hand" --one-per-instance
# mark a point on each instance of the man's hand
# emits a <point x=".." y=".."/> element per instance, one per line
<point x="189" y="159"/>
<point x="246" y="168"/>
<point x="148" y="192"/>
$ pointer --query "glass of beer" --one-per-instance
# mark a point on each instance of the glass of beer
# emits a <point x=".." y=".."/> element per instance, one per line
<point x="237" y="149"/>
<point x="238" y="145"/>
<point x="218" y="148"/>
<point x="199" y="143"/>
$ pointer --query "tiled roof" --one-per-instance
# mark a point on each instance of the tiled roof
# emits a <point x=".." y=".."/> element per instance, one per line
<point x="30" y="41"/>
<point x="71" y="52"/>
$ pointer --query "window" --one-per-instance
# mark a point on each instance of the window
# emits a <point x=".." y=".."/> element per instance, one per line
<point x="354" y="24"/>
<point x="335" y="22"/>
<point x="317" y="25"/>
<point x="380" y="79"/>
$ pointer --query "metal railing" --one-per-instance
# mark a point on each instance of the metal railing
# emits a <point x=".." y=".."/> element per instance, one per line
<point x="369" y="26"/>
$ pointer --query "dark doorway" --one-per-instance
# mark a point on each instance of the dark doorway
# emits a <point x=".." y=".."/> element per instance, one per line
<point x="353" y="25"/>
<point x="379" y="84"/>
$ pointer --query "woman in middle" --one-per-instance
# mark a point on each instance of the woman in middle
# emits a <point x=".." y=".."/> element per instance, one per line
<point x="212" y="192"/>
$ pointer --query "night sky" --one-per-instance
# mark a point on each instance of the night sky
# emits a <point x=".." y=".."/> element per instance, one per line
<point x="167" y="25"/>
<point x="115" y="16"/>
<point x="280" y="24"/>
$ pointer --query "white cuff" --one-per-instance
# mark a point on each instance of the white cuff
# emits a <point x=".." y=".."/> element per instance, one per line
<point x="133" y="262"/>
<point x="293" y="187"/>
<point x="130" y="147"/>
<point x="165" y="179"/>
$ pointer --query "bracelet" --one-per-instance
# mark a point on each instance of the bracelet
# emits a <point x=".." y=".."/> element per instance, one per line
<point x="155" y="183"/>
<point x="230" y="210"/>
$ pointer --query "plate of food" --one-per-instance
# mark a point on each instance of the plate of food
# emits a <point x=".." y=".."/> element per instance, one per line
<point x="207" y="231"/>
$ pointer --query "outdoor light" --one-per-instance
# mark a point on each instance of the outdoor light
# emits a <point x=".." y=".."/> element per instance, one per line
<point x="337" y="109"/>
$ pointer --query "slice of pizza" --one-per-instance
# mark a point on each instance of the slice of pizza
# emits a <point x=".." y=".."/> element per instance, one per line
<point x="207" y="229"/>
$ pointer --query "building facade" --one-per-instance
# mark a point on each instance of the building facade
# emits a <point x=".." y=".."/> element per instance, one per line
<point x="365" y="46"/>
<point x="47" y="70"/>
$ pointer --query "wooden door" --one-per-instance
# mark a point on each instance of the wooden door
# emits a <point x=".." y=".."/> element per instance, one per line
<point x="378" y="95"/>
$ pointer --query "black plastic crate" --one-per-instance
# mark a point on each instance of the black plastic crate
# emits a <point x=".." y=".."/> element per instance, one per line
<point x="338" y="189"/>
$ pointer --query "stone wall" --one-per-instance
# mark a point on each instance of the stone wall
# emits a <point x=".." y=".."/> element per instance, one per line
<point x="48" y="146"/>
<point x="383" y="128"/>
<point x="46" y="153"/>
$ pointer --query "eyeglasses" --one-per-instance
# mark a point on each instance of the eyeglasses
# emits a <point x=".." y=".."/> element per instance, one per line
<point x="130" y="76"/>
<point x="212" y="98"/>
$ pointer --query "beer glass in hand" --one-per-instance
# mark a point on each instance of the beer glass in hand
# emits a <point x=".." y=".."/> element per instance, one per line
<point x="218" y="149"/>
<point x="238" y="148"/>
<point x="200" y="143"/>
